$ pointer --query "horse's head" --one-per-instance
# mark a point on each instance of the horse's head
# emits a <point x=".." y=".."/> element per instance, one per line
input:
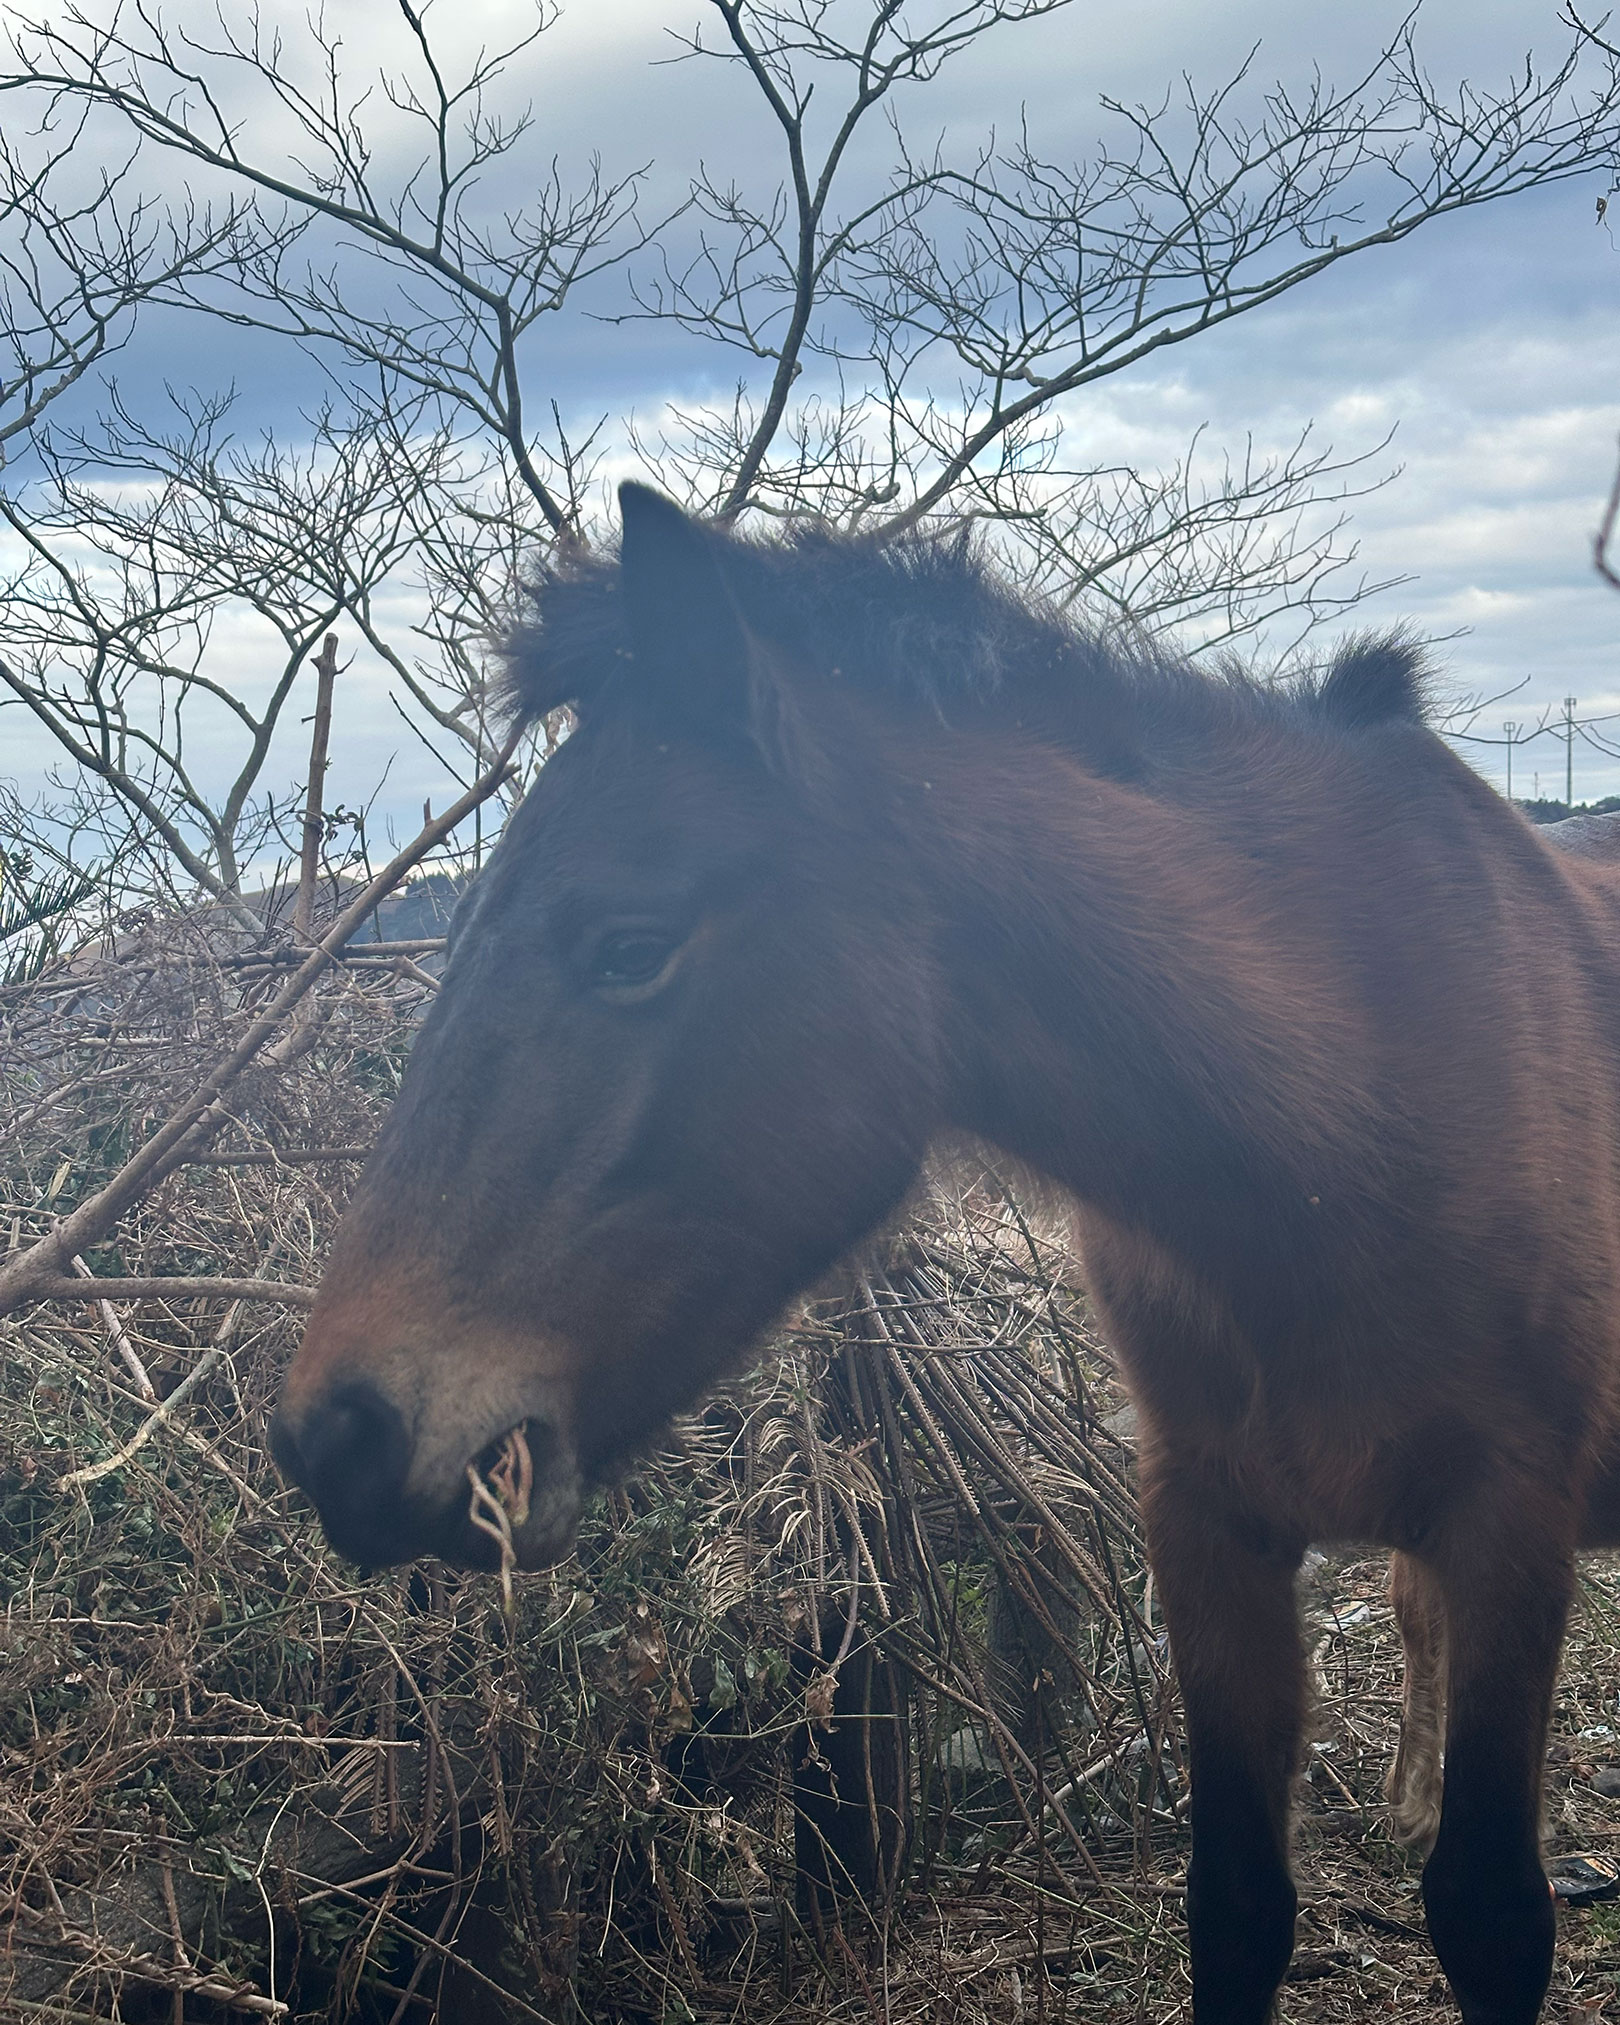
<point x="686" y="1053"/>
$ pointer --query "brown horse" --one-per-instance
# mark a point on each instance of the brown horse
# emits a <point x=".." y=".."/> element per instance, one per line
<point x="853" y="848"/>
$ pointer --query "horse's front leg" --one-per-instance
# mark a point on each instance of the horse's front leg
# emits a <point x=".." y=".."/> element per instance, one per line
<point x="1506" y="1571"/>
<point x="1228" y="1587"/>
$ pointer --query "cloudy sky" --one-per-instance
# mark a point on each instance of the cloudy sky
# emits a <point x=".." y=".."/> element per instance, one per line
<point x="1486" y="343"/>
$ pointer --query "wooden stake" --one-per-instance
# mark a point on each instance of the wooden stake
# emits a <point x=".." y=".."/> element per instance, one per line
<point x="314" y="827"/>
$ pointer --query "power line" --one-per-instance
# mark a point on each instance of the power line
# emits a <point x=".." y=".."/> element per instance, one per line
<point x="1565" y="725"/>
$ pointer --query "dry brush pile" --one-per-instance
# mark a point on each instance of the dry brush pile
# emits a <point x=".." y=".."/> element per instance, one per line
<point x="874" y="1619"/>
<point x="854" y="1702"/>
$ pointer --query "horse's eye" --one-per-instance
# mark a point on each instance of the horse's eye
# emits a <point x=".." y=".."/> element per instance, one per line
<point x="630" y="956"/>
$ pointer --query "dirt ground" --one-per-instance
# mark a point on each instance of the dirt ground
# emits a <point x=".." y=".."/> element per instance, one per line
<point x="1362" y="1950"/>
<point x="954" y="1956"/>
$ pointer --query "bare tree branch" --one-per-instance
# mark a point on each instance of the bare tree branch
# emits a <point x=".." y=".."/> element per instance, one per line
<point x="138" y="544"/>
<point x="194" y="1122"/>
<point x="1020" y="281"/>
<point x="78" y="258"/>
<point x="177" y="1286"/>
<point x="437" y="301"/>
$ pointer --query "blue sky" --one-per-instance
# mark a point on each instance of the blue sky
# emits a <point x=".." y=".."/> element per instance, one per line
<point x="1487" y="343"/>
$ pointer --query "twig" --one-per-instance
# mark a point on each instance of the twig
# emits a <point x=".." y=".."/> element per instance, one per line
<point x="234" y="1996"/>
<point x="1605" y="535"/>
<point x="120" y="1336"/>
<point x="160" y="1286"/>
<point x="201" y="1115"/>
<point x="277" y="1156"/>
<point x="309" y="868"/>
<point x="177" y="1932"/>
<point x="502" y="1502"/>
<point x="402" y="966"/>
<point x="94" y="1472"/>
<point x="269" y="959"/>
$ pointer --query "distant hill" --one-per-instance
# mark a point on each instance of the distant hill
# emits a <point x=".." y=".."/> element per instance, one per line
<point x="424" y="907"/>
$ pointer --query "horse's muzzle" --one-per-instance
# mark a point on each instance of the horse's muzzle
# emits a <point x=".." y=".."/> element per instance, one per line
<point x="352" y="1455"/>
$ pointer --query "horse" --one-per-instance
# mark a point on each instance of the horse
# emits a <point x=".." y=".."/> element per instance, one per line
<point x="854" y="848"/>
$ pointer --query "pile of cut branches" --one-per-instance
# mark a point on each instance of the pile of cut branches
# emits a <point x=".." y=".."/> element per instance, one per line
<point x="875" y="1623"/>
<point x="852" y="1703"/>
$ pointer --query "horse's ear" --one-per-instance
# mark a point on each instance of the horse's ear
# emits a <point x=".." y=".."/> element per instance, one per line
<point x="686" y="633"/>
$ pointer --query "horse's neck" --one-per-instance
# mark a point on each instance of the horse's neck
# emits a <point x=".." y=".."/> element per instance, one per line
<point x="1145" y="1013"/>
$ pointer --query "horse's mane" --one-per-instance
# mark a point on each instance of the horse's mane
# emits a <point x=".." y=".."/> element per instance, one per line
<point x="931" y="615"/>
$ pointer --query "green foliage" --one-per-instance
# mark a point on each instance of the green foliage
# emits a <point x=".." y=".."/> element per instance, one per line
<point x="1545" y="811"/>
<point x="35" y="914"/>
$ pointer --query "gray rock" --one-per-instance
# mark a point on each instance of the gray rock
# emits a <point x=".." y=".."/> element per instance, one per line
<point x="968" y="1754"/>
<point x="1585" y="836"/>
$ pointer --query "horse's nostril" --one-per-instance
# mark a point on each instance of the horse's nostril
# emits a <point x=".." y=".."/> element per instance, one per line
<point x="351" y="1455"/>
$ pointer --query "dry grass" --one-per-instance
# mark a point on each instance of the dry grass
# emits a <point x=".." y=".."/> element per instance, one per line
<point x="237" y="1779"/>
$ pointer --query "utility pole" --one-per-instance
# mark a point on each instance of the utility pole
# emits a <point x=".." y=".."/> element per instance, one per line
<point x="1569" y="755"/>
<point x="1512" y="729"/>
